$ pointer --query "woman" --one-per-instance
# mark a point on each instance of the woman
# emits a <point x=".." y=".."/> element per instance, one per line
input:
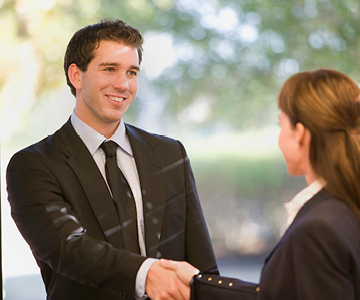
<point x="319" y="255"/>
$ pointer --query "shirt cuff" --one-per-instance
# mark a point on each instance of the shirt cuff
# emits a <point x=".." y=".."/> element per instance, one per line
<point x="141" y="278"/>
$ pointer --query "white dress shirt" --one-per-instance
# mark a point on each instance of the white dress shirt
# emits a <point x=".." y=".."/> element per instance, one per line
<point x="126" y="162"/>
<point x="293" y="207"/>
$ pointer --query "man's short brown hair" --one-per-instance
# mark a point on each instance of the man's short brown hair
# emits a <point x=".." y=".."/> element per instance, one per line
<point x="80" y="50"/>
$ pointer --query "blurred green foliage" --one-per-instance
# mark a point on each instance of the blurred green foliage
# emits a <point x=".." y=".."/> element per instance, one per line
<point x="228" y="61"/>
<point x="243" y="201"/>
<point x="230" y="57"/>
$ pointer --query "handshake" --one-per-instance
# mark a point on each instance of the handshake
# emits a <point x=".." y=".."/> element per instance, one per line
<point x="168" y="279"/>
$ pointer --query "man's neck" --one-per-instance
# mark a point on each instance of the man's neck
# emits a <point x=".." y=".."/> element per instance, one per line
<point x="107" y="130"/>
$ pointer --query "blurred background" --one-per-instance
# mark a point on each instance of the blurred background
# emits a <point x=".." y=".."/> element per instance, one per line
<point x="211" y="73"/>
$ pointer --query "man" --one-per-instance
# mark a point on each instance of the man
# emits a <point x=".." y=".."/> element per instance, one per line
<point x="69" y="211"/>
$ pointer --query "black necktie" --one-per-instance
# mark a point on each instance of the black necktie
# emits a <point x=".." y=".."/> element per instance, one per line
<point x="123" y="198"/>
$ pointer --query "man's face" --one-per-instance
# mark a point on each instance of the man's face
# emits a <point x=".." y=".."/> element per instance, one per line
<point x="108" y="86"/>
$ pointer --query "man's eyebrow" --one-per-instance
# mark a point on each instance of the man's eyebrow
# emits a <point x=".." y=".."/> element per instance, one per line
<point x="105" y="64"/>
<point x="114" y="64"/>
<point x="135" y="67"/>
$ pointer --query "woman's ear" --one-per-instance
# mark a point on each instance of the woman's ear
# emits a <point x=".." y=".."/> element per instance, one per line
<point x="302" y="135"/>
<point x="74" y="74"/>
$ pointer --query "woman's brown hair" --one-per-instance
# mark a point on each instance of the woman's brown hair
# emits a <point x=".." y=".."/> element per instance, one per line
<point x="327" y="103"/>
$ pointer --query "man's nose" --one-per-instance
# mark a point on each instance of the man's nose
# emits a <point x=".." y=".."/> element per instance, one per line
<point x="121" y="82"/>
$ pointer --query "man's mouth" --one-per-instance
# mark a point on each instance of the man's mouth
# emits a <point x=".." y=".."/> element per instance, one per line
<point x="117" y="99"/>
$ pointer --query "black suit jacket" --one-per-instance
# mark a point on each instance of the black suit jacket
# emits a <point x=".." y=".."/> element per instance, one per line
<point x="318" y="258"/>
<point x="62" y="207"/>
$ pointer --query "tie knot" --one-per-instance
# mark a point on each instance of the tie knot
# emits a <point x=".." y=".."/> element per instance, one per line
<point x="109" y="148"/>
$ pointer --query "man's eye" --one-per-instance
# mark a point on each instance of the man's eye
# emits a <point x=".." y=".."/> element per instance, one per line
<point x="109" y="69"/>
<point x="132" y="73"/>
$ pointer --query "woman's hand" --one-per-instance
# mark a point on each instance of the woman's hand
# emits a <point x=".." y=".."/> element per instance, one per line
<point x="184" y="271"/>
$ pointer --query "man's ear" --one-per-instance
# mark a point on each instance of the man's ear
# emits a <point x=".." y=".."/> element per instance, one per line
<point x="74" y="74"/>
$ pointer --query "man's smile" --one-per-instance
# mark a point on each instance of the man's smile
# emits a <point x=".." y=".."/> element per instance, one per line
<point x="117" y="99"/>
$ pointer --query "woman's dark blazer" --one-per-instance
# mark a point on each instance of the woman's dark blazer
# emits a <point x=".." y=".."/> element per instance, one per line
<point x="318" y="258"/>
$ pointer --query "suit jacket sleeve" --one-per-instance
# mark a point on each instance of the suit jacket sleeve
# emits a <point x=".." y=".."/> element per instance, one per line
<point x="55" y="232"/>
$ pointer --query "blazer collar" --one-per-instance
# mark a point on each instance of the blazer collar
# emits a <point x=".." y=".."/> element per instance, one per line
<point x="94" y="186"/>
<point x="152" y="182"/>
<point x="315" y="200"/>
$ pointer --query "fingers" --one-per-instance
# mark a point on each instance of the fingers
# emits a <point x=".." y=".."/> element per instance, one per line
<point x="184" y="271"/>
<point x="178" y="265"/>
<point x="184" y="290"/>
<point x="163" y="284"/>
<point x="169" y="264"/>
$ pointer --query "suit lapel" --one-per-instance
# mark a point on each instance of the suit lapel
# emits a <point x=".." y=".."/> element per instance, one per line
<point x="317" y="198"/>
<point x="152" y="183"/>
<point x="276" y="246"/>
<point x="93" y="183"/>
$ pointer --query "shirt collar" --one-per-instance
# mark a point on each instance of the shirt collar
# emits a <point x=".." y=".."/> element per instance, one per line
<point x="293" y="207"/>
<point x="93" y="139"/>
<point x="120" y="138"/>
<point x="304" y="195"/>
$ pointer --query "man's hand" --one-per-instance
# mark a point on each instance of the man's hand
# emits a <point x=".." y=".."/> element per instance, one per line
<point x="163" y="284"/>
<point x="184" y="271"/>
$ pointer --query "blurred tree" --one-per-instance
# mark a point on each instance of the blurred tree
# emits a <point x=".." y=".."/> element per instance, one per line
<point x="209" y="66"/>
<point x="228" y="58"/>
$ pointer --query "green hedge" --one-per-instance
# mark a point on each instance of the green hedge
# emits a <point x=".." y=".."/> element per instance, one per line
<point x="243" y="201"/>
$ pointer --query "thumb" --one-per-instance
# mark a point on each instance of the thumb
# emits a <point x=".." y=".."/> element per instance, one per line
<point x="169" y="264"/>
